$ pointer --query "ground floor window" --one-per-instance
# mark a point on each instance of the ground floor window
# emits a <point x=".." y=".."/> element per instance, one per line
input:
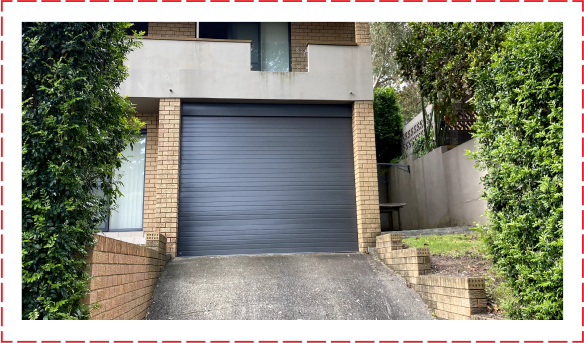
<point x="130" y="212"/>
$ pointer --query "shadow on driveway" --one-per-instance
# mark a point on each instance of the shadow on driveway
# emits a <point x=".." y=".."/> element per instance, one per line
<point x="296" y="286"/>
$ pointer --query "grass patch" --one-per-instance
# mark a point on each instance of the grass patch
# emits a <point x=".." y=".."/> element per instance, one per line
<point x="500" y="298"/>
<point x="449" y="245"/>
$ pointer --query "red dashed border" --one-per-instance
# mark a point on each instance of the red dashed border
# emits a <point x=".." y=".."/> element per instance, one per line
<point x="2" y="171"/>
<point x="174" y="1"/>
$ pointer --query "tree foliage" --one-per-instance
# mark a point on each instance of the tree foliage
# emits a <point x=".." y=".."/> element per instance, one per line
<point x="408" y="98"/>
<point x="438" y="56"/>
<point x="385" y="38"/>
<point x="518" y="96"/>
<point x="388" y="124"/>
<point x="74" y="127"/>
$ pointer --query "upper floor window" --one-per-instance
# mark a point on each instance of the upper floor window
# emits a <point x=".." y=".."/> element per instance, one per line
<point x="270" y="42"/>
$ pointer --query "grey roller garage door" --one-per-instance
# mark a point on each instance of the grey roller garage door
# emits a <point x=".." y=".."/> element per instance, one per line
<point x="258" y="178"/>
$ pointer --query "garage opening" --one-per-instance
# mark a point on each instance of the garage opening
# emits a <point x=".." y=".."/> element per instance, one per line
<point x="266" y="178"/>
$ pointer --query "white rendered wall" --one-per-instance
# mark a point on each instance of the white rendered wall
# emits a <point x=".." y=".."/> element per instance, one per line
<point x="221" y="70"/>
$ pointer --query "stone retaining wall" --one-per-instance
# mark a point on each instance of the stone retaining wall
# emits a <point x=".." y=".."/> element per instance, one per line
<point x="448" y="297"/>
<point x="123" y="276"/>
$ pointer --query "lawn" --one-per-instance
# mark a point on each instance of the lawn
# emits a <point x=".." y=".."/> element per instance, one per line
<point x="449" y="245"/>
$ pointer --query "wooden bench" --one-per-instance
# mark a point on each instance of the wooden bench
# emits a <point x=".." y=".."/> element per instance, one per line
<point x="390" y="208"/>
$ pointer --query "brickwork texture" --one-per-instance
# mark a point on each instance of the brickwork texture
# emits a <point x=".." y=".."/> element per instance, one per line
<point x="168" y="171"/>
<point x="449" y="297"/>
<point x="174" y="30"/>
<point x="368" y="219"/>
<point x="362" y="35"/>
<point x="452" y="297"/>
<point x="303" y="33"/>
<point x="151" y="126"/>
<point x="408" y="262"/>
<point x="123" y="276"/>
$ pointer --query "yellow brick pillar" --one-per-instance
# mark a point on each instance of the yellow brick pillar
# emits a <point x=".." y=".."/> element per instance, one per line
<point x="368" y="222"/>
<point x="362" y="36"/>
<point x="168" y="171"/>
<point x="150" y="173"/>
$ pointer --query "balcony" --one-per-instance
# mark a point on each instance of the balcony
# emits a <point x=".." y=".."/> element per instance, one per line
<point x="202" y="69"/>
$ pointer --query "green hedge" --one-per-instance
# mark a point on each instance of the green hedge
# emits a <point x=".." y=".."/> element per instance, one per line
<point x="518" y="98"/>
<point x="74" y="127"/>
<point x="388" y="124"/>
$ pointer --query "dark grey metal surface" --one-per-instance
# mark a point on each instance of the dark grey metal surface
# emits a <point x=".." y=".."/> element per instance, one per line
<point x="261" y="184"/>
<point x="265" y="110"/>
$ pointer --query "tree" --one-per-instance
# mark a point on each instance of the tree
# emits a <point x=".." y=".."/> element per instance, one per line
<point x="385" y="38"/>
<point x="409" y="100"/>
<point x="74" y="127"/>
<point x="388" y="124"/>
<point x="438" y="56"/>
<point x="519" y="102"/>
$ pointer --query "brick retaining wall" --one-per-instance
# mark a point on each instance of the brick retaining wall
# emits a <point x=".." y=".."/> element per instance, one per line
<point x="123" y="276"/>
<point x="449" y="297"/>
<point x="452" y="297"/>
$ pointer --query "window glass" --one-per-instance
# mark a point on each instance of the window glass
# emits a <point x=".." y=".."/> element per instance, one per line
<point x="129" y="214"/>
<point x="248" y="31"/>
<point x="130" y="211"/>
<point x="214" y="30"/>
<point x="98" y="191"/>
<point x="270" y="42"/>
<point x="275" y="47"/>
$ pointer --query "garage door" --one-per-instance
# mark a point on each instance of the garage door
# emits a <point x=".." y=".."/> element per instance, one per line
<point x="259" y="178"/>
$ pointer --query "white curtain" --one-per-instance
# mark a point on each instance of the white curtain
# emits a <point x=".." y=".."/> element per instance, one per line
<point x="130" y="209"/>
<point x="275" y="53"/>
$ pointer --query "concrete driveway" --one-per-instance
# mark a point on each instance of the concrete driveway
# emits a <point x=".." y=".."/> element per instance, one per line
<point x="296" y="286"/>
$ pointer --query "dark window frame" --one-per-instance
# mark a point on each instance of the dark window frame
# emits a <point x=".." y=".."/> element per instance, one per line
<point x="289" y="47"/>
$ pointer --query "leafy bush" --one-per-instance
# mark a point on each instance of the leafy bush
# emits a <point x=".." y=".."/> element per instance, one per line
<point x="422" y="146"/>
<point x="74" y="127"/>
<point x="518" y="98"/>
<point x="388" y="124"/>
